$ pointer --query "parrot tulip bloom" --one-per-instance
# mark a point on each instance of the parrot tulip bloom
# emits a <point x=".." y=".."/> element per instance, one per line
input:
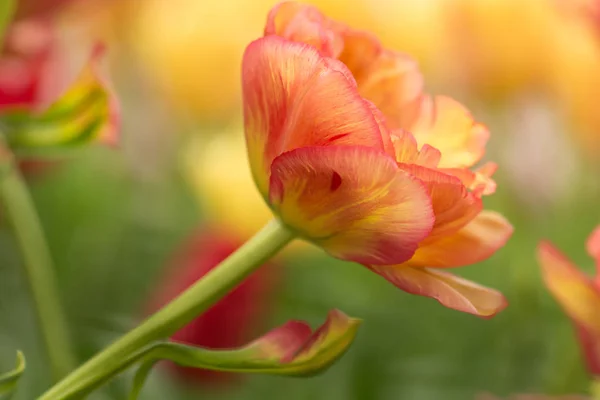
<point x="390" y="190"/>
<point x="577" y="294"/>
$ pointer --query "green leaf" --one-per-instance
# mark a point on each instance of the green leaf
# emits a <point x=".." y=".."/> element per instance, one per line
<point x="7" y="9"/>
<point x="86" y="112"/>
<point x="293" y="349"/>
<point x="8" y="381"/>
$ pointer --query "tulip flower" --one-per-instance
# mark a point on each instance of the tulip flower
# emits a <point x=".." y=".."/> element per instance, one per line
<point x="350" y="155"/>
<point x="577" y="294"/>
<point x="232" y="321"/>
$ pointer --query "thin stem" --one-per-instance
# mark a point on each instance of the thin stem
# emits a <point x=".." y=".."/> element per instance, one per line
<point x="39" y="270"/>
<point x="191" y="303"/>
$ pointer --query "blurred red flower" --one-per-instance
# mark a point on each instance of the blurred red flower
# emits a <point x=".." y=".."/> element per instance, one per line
<point x="235" y="320"/>
<point x="27" y="53"/>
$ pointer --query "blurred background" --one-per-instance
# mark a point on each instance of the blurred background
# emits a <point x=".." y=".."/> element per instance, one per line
<point x="130" y="227"/>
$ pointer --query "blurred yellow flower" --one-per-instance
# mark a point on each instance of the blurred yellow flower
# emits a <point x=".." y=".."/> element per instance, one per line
<point x="575" y="80"/>
<point x="194" y="48"/>
<point x="218" y="173"/>
<point x="499" y="47"/>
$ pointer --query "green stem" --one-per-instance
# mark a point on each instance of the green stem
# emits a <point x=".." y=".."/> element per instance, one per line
<point x="191" y="303"/>
<point x="39" y="270"/>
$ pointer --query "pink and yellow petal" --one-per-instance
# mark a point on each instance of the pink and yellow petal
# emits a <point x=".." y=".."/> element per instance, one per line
<point x="407" y="151"/>
<point x="360" y="50"/>
<point x="572" y="289"/>
<point x="449" y="127"/>
<point x="354" y="202"/>
<point x="453" y="205"/>
<point x="449" y="290"/>
<point x="475" y="242"/>
<point x="304" y="23"/>
<point x="293" y="97"/>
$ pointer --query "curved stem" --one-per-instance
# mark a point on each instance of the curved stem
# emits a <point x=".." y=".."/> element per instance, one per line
<point x="39" y="270"/>
<point x="191" y="303"/>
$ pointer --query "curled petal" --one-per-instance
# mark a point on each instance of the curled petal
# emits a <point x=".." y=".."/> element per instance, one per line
<point x="407" y="151"/>
<point x="453" y="205"/>
<point x="304" y="23"/>
<point x="87" y="111"/>
<point x="448" y="126"/>
<point x="574" y="291"/>
<point x="303" y="351"/>
<point x="475" y="242"/>
<point x="352" y="201"/>
<point x="292" y="349"/>
<point x="449" y="290"/>
<point x="293" y="97"/>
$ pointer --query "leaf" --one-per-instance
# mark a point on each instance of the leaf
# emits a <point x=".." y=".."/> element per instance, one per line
<point x="86" y="112"/>
<point x="8" y="381"/>
<point x="7" y="9"/>
<point x="293" y="349"/>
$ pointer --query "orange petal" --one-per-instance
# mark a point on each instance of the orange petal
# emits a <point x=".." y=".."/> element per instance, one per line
<point x="574" y="291"/>
<point x="593" y="248"/>
<point x="479" y="181"/>
<point x="450" y="290"/>
<point x="360" y="50"/>
<point x="353" y="201"/>
<point x="391" y="80"/>
<point x="394" y="83"/>
<point x="386" y="135"/>
<point x="304" y="23"/>
<point x="407" y="151"/>
<point x="475" y="242"/>
<point x="453" y="205"/>
<point x="293" y="97"/>
<point x="449" y="127"/>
